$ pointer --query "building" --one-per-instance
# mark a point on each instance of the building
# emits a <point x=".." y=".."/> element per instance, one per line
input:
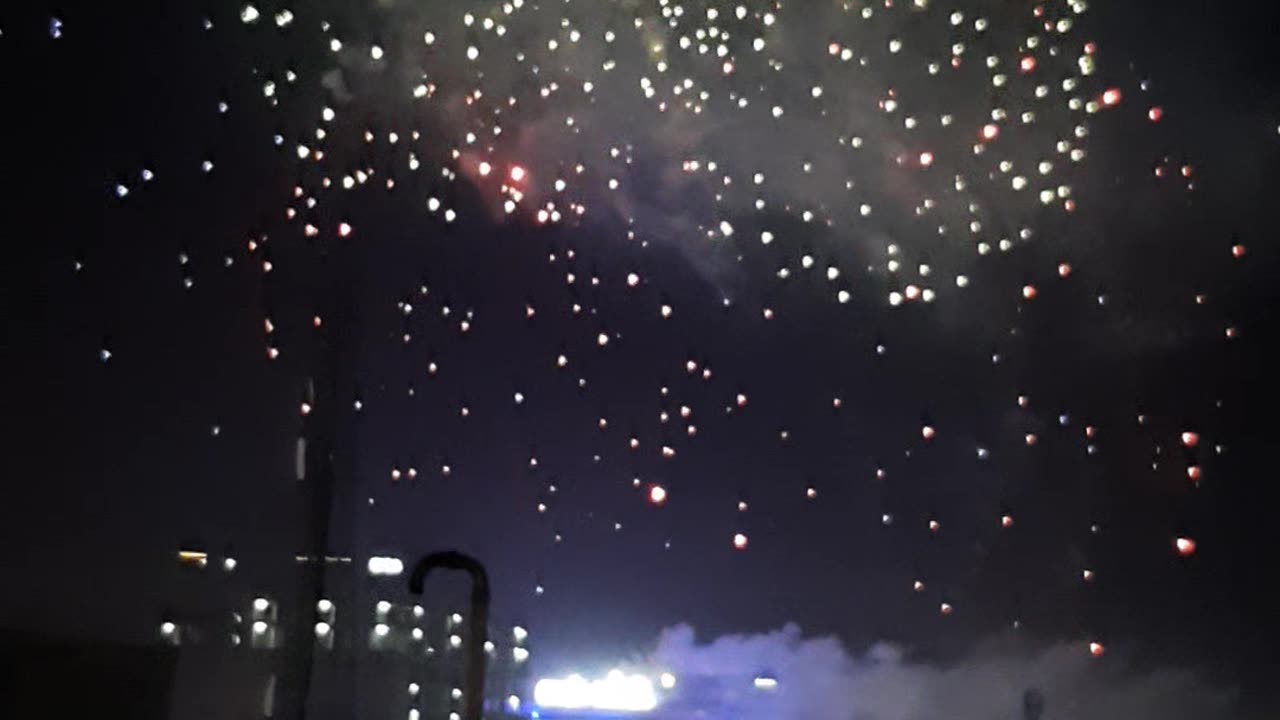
<point x="372" y="649"/>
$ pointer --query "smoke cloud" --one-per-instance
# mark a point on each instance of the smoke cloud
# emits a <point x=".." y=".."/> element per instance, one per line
<point x="818" y="679"/>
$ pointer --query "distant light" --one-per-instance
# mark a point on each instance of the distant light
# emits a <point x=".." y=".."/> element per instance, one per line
<point x="323" y="629"/>
<point x="740" y="541"/>
<point x="455" y="641"/>
<point x="194" y="557"/>
<point x="385" y="566"/>
<point x="261" y="604"/>
<point x="259" y="627"/>
<point x="667" y="680"/>
<point x="765" y="683"/>
<point x="1096" y="649"/>
<point x="517" y="173"/>
<point x="168" y="628"/>
<point x="1186" y="546"/>
<point x="513" y="702"/>
<point x="229" y="564"/>
<point x="519" y="634"/>
<point x="519" y="654"/>
<point x="324" y="606"/>
<point x="616" y="692"/>
<point x="383" y="607"/>
<point x="657" y="495"/>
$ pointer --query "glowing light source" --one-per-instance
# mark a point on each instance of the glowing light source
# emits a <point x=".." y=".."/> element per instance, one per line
<point x="657" y="495"/>
<point x="765" y="683"/>
<point x="193" y="557"/>
<point x="388" y="566"/>
<point x="1185" y="546"/>
<point x="616" y="691"/>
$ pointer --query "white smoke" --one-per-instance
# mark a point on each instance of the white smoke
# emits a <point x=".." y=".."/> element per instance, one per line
<point x="818" y="679"/>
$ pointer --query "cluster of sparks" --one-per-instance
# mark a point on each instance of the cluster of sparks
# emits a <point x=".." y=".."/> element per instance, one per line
<point x="919" y="142"/>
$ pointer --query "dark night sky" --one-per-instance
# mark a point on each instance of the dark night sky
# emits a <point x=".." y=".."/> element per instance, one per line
<point x="112" y="465"/>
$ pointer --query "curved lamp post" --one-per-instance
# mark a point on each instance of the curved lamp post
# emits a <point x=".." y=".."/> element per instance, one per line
<point x="478" y="623"/>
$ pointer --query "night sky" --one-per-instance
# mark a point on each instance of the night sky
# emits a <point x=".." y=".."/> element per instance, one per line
<point x="934" y="326"/>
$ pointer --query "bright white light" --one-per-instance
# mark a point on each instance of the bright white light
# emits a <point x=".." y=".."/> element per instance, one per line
<point x="381" y="629"/>
<point x="323" y="629"/>
<point x="519" y="633"/>
<point x="616" y="691"/>
<point x="389" y="566"/>
<point x="261" y="604"/>
<point x="259" y="627"/>
<point x="765" y="683"/>
<point x="667" y="680"/>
